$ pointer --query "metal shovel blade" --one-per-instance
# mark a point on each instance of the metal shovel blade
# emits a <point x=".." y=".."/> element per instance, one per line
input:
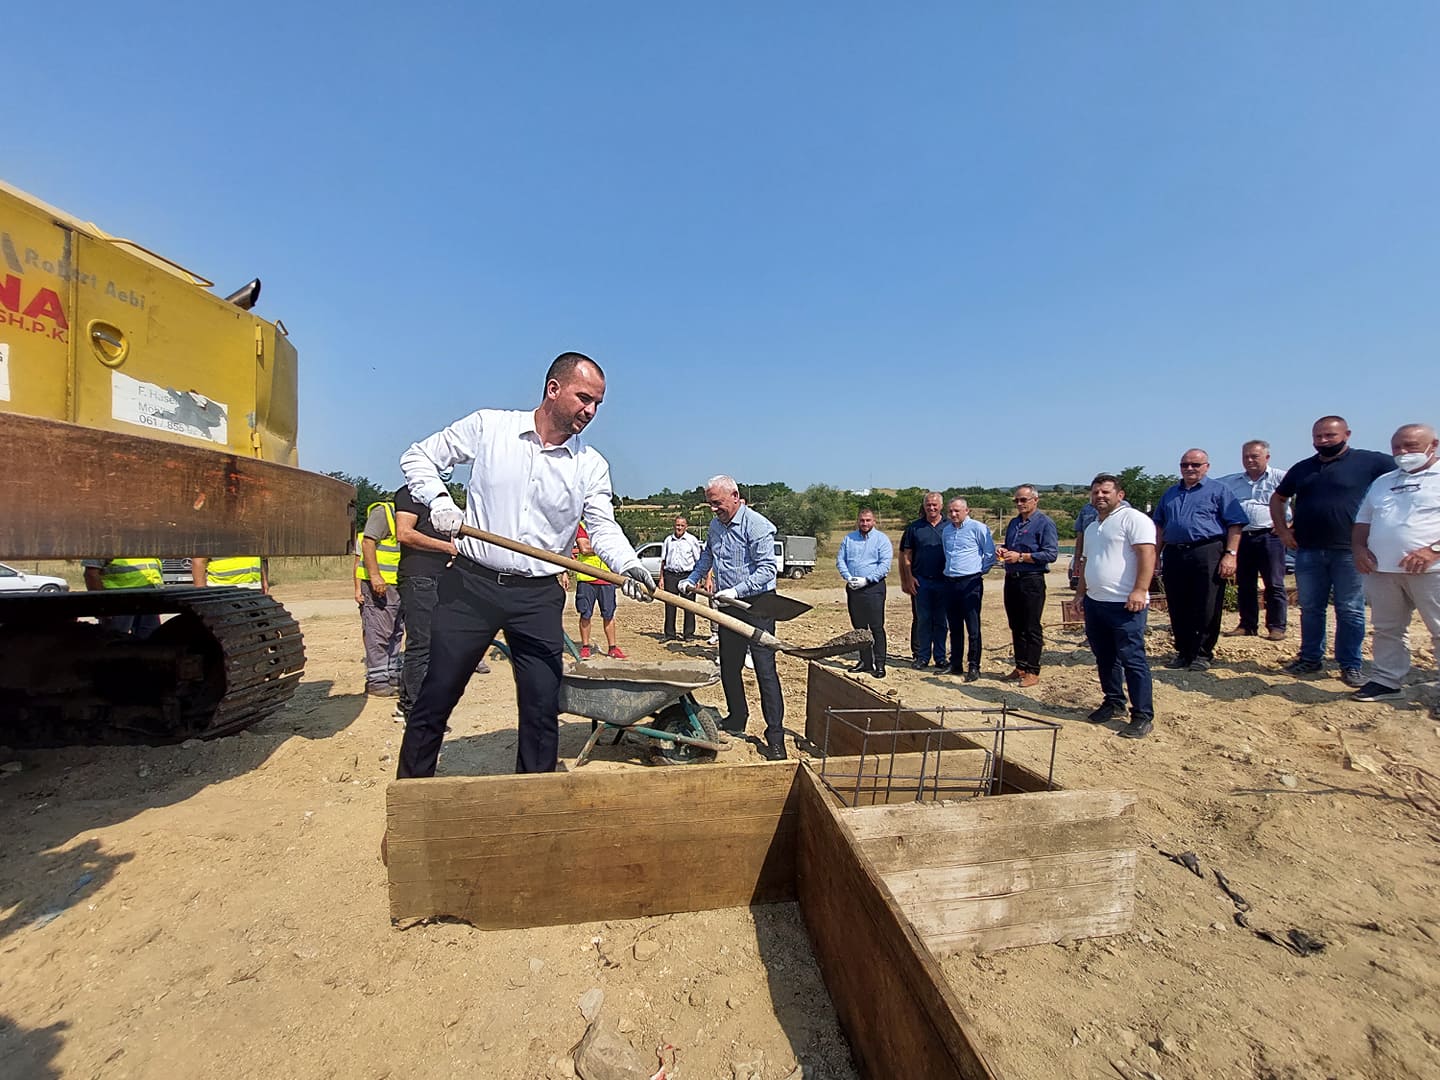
<point x="771" y="606"/>
<point x="845" y="643"/>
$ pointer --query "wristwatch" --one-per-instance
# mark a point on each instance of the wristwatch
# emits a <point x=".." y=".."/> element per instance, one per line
<point x="1435" y="548"/>
<point x="1229" y="551"/>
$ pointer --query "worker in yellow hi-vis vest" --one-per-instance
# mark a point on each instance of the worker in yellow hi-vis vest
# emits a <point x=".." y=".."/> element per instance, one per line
<point x="241" y="572"/>
<point x="382" y="622"/>
<point x="125" y="574"/>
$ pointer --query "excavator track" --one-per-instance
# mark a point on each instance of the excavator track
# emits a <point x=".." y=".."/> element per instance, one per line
<point x="223" y="660"/>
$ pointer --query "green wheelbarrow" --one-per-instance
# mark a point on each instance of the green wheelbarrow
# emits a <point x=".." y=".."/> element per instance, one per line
<point x="616" y="695"/>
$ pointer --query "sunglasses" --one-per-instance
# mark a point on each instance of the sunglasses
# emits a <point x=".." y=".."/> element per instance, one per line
<point x="1193" y="464"/>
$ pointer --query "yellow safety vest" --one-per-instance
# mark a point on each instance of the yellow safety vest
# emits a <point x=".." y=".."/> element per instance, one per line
<point x="387" y="551"/>
<point x="131" y="574"/>
<point x="242" y="571"/>
<point x="592" y="560"/>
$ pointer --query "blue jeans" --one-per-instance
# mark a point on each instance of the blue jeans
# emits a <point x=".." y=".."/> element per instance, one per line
<point x="1321" y="573"/>
<point x="1117" y="637"/>
<point x="930" y="620"/>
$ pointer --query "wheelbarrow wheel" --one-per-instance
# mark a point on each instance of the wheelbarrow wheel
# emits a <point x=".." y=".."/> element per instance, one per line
<point x="675" y="718"/>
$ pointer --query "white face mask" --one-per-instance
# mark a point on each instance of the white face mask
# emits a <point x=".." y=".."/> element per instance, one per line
<point x="1411" y="462"/>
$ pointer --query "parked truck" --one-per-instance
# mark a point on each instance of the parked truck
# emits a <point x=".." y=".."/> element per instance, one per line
<point x="794" y="556"/>
<point x="144" y="416"/>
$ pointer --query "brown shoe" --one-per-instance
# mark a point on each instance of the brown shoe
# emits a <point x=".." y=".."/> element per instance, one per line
<point x="1013" y="676"/>
<point x="1275" y="635"/>
<point x="1028" y="679"/>
<point x="1239" y="631"/>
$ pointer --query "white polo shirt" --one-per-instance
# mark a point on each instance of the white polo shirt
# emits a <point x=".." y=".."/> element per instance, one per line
<point x="1403" y="512"/>
<point x="1110" y="563"/>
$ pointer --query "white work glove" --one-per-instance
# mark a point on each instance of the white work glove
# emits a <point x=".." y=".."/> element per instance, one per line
<point x="639" y="584"/>
<point x="687" y="588"/>
<point x="856" y="583"/>
<point x="445" y="516"/>
<point x="727" y="594"/>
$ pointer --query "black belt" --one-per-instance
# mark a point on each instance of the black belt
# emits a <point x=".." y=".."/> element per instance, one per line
<point x="1188" y="544"/>
<point x="1258" y="532"/>
<point x="472" y="567"/>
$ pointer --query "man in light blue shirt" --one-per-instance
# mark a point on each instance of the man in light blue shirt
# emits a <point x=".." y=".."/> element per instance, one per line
<point x="1261" y="551"/>
<point x="864" y="561"/>
<point x="740" y="547"/>
<point x="969" y="553"/>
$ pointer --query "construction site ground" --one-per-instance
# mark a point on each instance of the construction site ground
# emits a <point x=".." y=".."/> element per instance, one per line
<point x="218" y="909"/>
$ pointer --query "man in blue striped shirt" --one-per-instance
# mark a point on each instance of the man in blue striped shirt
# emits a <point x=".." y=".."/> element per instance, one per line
<point x="740" y="546"/>
<point x="969" y="553"/>
<point x="864" y="561"/>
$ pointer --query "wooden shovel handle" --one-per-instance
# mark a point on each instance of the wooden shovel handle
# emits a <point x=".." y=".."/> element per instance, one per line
<point x="730" y="622"/>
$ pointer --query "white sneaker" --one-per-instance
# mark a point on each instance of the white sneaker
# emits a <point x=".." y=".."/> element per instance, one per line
<point x="398" y="715"/>
<point x="713" y="639"/>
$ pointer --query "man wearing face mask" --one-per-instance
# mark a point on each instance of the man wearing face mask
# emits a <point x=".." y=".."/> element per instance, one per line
<point x="1396" y="540"/>
<point x="1327" y="490"/>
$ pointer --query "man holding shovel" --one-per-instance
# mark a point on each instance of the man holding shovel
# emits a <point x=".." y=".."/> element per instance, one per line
<point x="533" y="479"/>
<point x="740" y="546"/>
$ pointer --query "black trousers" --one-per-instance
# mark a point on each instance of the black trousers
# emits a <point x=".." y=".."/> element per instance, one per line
<point x="1262" y="554"/>
<point x="1196" y="596"/>
<point x="732" y="679"/>
<point x="670" y="582"/>
<point x="1024" y="604"/>
<point x="867" y="612"/>
<point x="417" y="600"/>
<point x="964" y="595"/>
<point x="472" y="605"/>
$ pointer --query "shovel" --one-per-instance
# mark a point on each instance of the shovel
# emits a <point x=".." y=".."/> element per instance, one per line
<point x="766" y="605"/>
<point x="845" y="643"/>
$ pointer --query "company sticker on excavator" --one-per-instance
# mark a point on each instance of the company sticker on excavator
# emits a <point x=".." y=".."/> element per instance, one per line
<point x="182" y="412"/>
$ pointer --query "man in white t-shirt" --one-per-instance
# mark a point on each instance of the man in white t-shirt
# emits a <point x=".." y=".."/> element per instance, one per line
<point x="1114" y="587"/>
<point x="1396" y="545"/>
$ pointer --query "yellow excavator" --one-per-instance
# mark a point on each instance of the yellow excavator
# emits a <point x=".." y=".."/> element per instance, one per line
<point x="142" y="415"/>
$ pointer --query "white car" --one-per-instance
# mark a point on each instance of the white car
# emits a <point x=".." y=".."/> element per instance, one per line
<point x="650" y="557"/>
<point x="16" y="581"/>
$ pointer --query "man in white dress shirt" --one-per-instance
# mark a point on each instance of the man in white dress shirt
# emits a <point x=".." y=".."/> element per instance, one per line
<point x="678" y="556"/>
<point x="532" y="479"/>
<point x="1261" y="553"/>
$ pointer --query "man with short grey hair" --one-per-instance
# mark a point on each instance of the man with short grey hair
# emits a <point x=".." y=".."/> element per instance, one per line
<point x="1396" y="544"/>
<point x="1260" y="553"/>
<point x="678" y="555"/>
<point x="740" y="547"/>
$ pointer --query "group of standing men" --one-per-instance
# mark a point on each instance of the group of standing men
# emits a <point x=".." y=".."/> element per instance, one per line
<point x="1363" y="526"/>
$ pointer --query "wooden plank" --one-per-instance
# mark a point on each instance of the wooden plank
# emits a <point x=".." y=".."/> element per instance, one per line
<point x="828" y="689"/>
<point x="999" y="873"/>
<point x="1019" y="826"/>
<point x="128" y="495"/>
<point x="519" y="851"/>
<point x="900" y="778"/>
<point x="893" y="1002"/>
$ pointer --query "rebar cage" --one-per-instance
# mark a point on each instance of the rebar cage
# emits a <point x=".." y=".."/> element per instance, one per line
<point x="961" y="756"/>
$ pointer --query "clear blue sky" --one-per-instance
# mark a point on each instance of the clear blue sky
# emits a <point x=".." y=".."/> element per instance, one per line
<point x="933" y="244"/>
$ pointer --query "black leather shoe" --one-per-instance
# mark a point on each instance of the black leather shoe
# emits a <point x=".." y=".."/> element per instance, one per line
<point x="879" y="673"/>
<point x="1178" y="661"/>
<point x="973" y="675"/>
<point x="919" y="665"/>
<point x="730" y="727"/>
<point x="1136" y="729"/>
<point x="773" y="752"/>
<point x="1104" y="714"/>
<point x="860" y="668"/>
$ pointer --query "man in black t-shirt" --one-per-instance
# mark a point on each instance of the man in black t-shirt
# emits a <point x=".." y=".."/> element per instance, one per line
<point x="922" y="577"/>
<point x="1327" y="490"/>
<point x="424" y="553"/>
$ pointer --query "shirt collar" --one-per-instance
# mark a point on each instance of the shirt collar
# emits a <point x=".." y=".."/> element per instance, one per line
<point x="530" y="428"/>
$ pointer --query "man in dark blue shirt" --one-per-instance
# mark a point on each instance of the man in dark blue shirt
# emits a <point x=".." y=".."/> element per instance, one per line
<point x="922" y="577"/>
<point x="1197" y="529"/>
<point x="1327" y="490"/>
<point x="1031" y="545"/>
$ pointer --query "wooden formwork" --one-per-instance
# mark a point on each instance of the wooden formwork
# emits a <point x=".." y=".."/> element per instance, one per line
<point x="883" y="889"/>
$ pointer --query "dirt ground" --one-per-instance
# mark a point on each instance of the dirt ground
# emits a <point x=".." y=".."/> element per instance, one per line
<point x="218" y="909"/>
